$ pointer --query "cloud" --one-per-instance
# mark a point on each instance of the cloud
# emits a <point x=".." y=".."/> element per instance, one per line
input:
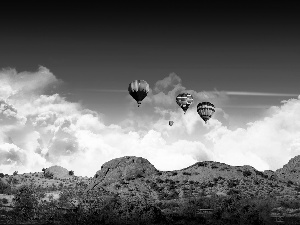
<point x="169" y="82"/>
<point x="40" y="130"/>
<point x="19" y="85"/>
<point x="265" y="144"/>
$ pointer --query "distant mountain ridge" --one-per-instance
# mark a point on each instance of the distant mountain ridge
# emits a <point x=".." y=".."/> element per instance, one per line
<point x="136" y="176"/>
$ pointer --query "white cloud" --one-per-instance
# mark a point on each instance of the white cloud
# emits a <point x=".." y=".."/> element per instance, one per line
<point x="40" y="130"/>
<point x="265" y="144"/>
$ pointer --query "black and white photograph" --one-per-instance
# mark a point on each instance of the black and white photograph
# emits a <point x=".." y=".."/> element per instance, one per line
<point x="150" y="113"/>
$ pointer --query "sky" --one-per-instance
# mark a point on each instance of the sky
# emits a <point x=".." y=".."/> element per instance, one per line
<point x="65" y="71"/>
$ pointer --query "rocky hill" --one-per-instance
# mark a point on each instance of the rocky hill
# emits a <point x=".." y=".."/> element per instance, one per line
<point x="290" y="171"/>
<point x="135" y="176"/>
<point x="136" y="181"/>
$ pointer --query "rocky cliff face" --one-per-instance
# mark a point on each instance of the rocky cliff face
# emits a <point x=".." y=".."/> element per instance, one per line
<point x="291" y="170"/>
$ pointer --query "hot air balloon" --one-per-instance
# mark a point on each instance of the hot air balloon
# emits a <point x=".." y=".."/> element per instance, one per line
<point x="184" y="100"/>
<point x="138" y="89"/>
<point x="171" y="123"/>
<point x="205" y="110"/>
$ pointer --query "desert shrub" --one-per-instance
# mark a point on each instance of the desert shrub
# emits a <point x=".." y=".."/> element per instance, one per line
<point x="247" y="173"/>
<point x="158" y="180"/>
<point x="139" y="175"/>
<point x="293" y="204"/>
<point x="4" y="200"/>
<point x="201" y="164"/>
<point x="147" y="181"/>
<point x="159" y="173"/>
<point x="261" y="174"/>
<point x="191" y="182"/>
<point x="15" y="181"/>
<point x="25" y="201"/>
<point x="1" y="175"/>
<point x="210" y="184"/>
<point x="15" y="173"/>
<point x="49" y="175"/>
<point x="233" y="191"/>
<point x="232" y="183"/>
<point x="289" y="183"/>
<point x="186" y="173"/>
<point x="71" y="172"/>
<point x="214" y="167"/>
<point x="174" y="173"/>
<point x="297" y="188"/>
<point x="256" y="181"/>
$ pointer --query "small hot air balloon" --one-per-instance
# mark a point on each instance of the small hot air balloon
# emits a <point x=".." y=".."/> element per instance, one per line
<point x="205" y="110"/>
<point x="138" y="89"/>
<point x="171" y="123"/>
<point x="184" y="100"/>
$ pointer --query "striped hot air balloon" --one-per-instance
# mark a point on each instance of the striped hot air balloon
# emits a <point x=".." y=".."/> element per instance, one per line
<point x="184" y="100"/>
<point x="138" y="89"/>
<point x="205" y="110"/>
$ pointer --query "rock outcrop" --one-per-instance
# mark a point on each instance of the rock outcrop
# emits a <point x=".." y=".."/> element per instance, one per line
<point x="128" y="168"/>
<point x="291" y="170"/>
<point x="58" y="171"/>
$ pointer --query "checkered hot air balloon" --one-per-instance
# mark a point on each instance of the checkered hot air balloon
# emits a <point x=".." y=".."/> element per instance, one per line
<point x="184" y="100"/>
<point x="138" y="89"/>
<point x="205" y="110"/>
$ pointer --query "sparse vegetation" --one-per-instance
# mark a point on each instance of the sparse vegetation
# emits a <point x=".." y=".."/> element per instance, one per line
<point x="247" y="173"/>
<point x="165" y="199"/>
<point x="4" y="200"/>
<point x="186" y="173"/>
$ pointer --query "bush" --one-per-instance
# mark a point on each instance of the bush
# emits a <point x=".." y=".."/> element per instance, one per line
<point x="297" y="188"/>
<point x="15" y="173"/>
<point x="201" y="164"/>
<point x="232" y="183"/>
<point x="158" y="180"/>
<point x="1" y="175"/>
<point x="186" y="173"/>
<point x="247" y="173"/>
<point x="233" y="192"/>
<point x="71" y="172"/>
<point x="48" y="175"/>
<point x="174" y="173"/>
<point x="25" y="201"/>
<point x="4" y="201"/>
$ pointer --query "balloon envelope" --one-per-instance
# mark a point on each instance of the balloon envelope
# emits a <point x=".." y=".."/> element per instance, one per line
<point x="184" y="100"/>
<point x="138" y="89"/>
<point x="171" y="123"/>
<point x="205" y="110"/>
